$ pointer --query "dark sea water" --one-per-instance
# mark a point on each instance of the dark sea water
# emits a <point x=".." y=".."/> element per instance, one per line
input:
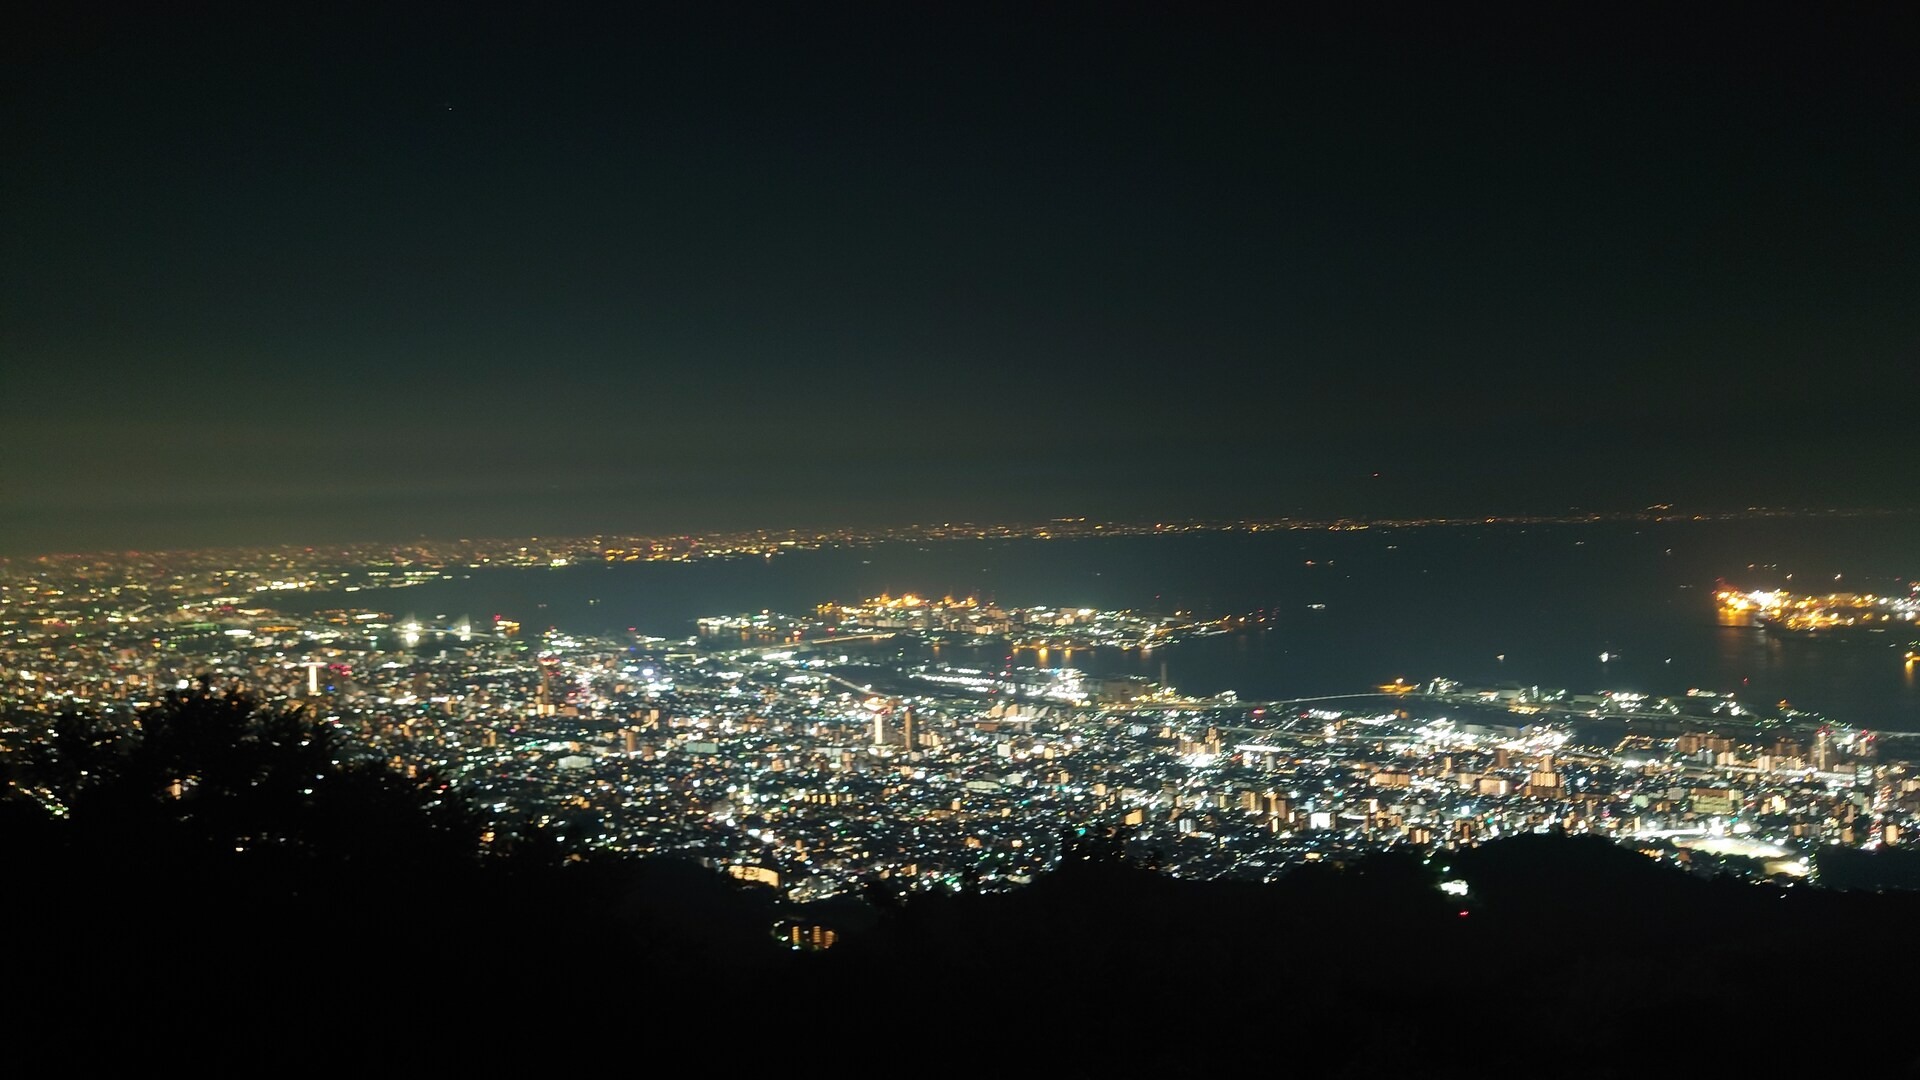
<point x="1534" y="605"/>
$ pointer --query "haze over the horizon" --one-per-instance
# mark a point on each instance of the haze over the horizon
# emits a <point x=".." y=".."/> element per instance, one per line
<point x="346" y="273"/>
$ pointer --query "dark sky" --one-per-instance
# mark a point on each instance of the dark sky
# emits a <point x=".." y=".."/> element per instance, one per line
<point x="366" y="273"/>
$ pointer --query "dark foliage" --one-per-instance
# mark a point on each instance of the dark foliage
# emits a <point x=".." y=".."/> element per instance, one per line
<point x="211" y="834"/>
<point x="1570" y="956"/>
<point x="1870" y="870"/>
<point x="280" y="892"/>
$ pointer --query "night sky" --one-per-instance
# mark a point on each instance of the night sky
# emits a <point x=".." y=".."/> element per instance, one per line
<point x="365" y="273"/>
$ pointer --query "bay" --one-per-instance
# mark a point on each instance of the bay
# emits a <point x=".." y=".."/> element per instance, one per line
<point x="1581" y="606"/>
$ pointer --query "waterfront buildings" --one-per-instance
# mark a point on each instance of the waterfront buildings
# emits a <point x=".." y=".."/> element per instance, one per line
<point x="772" y="748"/>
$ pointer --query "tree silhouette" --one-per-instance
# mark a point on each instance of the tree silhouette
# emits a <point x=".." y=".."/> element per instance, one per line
<point x="213" y="839"/>
<point x="216" y="775"/>
<point x="212" y="832"/>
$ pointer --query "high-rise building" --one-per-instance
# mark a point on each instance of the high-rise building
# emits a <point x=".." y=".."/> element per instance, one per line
<point x="543" y="701"/>
<point x="313" y="677"/>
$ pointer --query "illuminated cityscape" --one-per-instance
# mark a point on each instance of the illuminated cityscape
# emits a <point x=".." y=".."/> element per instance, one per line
<point x="960" y="538"/>
<point x="786" y="749"/>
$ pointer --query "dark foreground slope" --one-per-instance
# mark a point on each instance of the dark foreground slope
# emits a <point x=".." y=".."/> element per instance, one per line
<point x="1572" y="957"/>
<point x="249" y="923"/>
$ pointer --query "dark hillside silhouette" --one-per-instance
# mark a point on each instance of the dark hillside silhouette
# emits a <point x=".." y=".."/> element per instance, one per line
<point x="221" y="877"/>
